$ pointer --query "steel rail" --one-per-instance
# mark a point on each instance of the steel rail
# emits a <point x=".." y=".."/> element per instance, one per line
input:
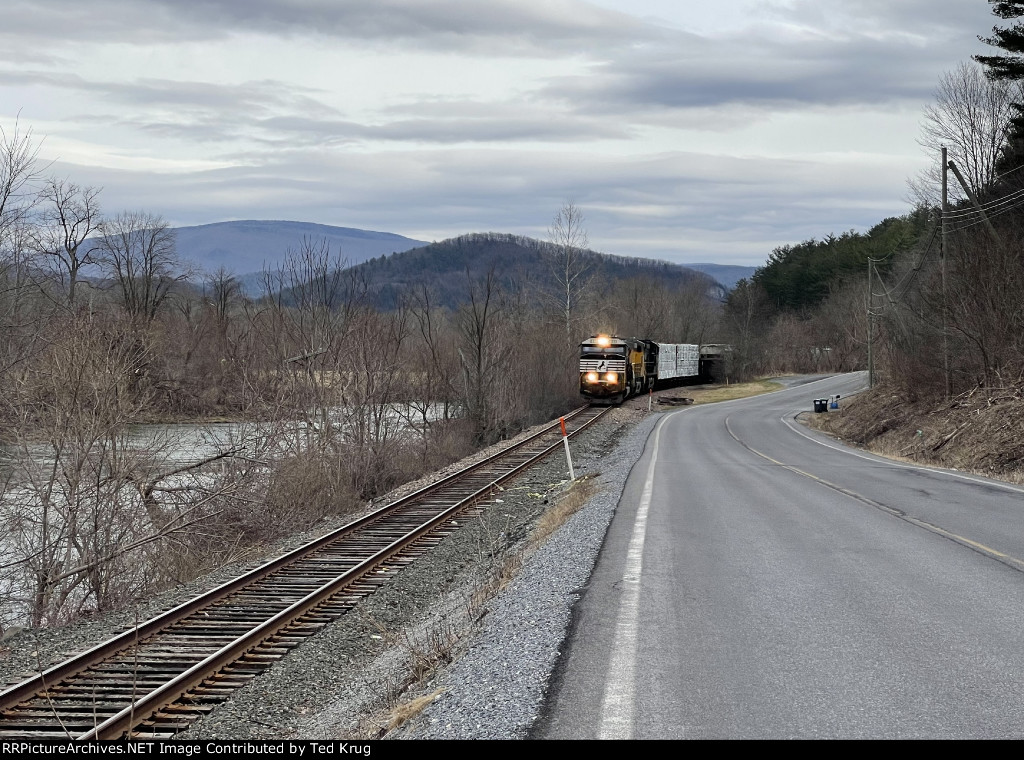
<point x="120" y="723"/>
<point x="16" y="693"/>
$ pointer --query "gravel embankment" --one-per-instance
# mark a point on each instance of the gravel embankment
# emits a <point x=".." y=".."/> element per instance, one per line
<point x="353" y="677"/>
<point x="429" y="631"/>
<point x="496" y="690"/>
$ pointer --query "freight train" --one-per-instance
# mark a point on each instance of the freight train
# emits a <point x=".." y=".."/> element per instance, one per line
<point x="613" y="369"/>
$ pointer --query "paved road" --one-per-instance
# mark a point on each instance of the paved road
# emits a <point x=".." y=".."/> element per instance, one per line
<point x="762" y="581"/>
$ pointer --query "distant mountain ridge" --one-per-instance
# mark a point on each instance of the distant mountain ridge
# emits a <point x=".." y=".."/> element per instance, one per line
<point x="447" y="268"/>
<point x="245" y="247"/>
<point x="242" y="247"/>
<point x="727" y="274"/>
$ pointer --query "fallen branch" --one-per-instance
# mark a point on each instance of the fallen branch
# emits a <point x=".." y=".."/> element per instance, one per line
<point x="949" y="438"/>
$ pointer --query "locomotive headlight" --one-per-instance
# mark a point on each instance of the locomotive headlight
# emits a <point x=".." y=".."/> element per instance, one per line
<point x="592" y="377"/>
<point x="612" y="377"/>
<point x="604" y="341"/>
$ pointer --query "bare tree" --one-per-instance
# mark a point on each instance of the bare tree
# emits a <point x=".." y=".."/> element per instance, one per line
<point x="304" y="323"/>
<point x="91" y="512"/>
<point x="18" y="171"/>
<point x="694" y="312"/>
<point x="643" y="307"/>
<point x="72" y="403"/>
<point x="224" y="290"/>
<point x="137" y="250"/>
<point x="69" y="215"/>
<point x="20" y="326"/>
<point x="432" y="380"/>
<point x="481" y="354"/>
<point x="970" y="117"/>
<point x="372" y="426"/>
<point x="572" y="268"/>
<point x="746" y="318"/>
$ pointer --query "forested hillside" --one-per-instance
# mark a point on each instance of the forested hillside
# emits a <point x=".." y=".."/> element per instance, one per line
<point x="518" y="263"/>
<point x="937" y="324"/>
<point x="801" y="277"/>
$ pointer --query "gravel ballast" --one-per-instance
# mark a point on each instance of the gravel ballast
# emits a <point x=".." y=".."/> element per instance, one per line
<point x="426" y="634"/>
<point x="497" y="689"/>
<point x="433" y="635"/>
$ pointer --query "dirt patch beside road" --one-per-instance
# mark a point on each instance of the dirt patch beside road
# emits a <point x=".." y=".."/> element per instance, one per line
<point x="706" y="394"/>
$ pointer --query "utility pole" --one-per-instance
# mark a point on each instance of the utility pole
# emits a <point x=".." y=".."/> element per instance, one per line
<point x="974" y="201"/>
<point x="944" y="249"/>
<point x="871" y="330"/>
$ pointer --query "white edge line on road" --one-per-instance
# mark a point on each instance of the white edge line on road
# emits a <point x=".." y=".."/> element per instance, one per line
<point x="620" y="687"/>
<point x="618" y="702"/>
<point x="878" y="459"/>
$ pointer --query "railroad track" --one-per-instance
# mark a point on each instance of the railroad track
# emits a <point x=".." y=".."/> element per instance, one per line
<point x="153" y="680"/>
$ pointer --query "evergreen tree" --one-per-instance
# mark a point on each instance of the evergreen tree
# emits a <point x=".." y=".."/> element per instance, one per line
<point x="1011" y="64"/>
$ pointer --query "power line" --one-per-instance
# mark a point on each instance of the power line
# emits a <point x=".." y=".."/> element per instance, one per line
<point x="990" y="216"/>
<point x="908" y="277"/>
<point x="1007" y="174"/>
<point x="1008" y="198"/>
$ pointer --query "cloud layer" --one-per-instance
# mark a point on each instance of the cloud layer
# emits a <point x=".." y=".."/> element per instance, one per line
<point x="437" y="117"/>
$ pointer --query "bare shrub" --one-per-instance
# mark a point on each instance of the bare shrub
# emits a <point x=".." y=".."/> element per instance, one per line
<point x="305" y="488"/>
<point x="71" y="512"/>
<point x="447" y="441"/>
<point x="91" y="517"/>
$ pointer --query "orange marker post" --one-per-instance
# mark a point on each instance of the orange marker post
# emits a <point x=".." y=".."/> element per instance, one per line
<point x="565" y="440"/>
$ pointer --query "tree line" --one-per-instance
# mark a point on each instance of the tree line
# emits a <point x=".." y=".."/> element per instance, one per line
<point x="936" y="295"/>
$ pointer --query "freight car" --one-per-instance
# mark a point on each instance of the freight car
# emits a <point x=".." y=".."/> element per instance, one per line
<point x="612" y="368"/>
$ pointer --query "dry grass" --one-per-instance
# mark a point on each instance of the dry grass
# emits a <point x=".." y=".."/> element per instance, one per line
<point x="565" y="507"/>
<point x="425" y="651"/>
<point x="713" y="394"/>
<point x="421" y="654"/>
<point x="500" y="576"/>
<point x="409" y="710"/>
<point x="509" y="563"/>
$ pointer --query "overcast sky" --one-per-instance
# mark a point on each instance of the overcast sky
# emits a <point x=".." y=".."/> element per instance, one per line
<point x="686" y="130"/>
